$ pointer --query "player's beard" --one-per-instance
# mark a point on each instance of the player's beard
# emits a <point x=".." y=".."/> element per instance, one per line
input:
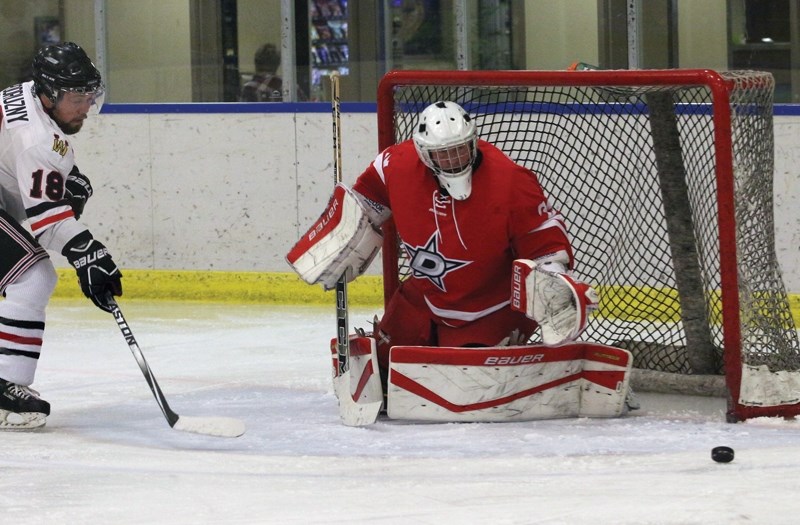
<point x="70" y="128"/>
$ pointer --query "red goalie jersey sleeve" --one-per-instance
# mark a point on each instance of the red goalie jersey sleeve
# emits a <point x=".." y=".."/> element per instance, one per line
<point x="461" y="252"/>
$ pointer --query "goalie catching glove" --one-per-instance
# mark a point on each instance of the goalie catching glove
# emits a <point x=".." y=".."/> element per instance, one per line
<point x="549" y="295"/>
<point x="343" y="241"/>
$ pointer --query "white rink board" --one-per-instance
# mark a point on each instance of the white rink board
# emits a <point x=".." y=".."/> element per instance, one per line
<point x="227" y="191"/>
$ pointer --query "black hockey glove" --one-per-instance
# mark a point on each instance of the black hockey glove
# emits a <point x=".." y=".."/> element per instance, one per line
<point x="97" y="272"/>
<point x="78" y="189"/>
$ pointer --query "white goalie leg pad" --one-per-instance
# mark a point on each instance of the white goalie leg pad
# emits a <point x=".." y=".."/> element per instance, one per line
<point x="549" y="295"/>
<point x="507" y="384"/>
<point x="606" y="381"/>
<point x="342" y="241"/>
<point x="358" y="388"/>
<point x="482" y="384"/>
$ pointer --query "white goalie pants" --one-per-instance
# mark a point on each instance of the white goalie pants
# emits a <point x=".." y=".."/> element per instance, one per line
<point x="22" y="319"/>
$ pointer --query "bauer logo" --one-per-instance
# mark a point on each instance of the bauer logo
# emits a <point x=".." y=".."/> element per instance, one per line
<point x="516" y="288"/>
<point x="90" y="258"/>
<point x="327" y="217"/>
<point x="508" y="360"/>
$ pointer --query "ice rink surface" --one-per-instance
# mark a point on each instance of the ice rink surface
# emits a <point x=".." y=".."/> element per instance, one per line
<point x="107" y="456"/>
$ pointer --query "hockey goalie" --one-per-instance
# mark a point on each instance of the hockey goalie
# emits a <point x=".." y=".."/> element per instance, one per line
<point x="490" y="263"/>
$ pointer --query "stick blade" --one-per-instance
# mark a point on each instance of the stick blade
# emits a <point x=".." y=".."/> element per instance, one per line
<point x="210" y="426"/>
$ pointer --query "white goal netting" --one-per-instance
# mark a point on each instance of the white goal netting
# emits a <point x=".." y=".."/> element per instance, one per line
<point x="665" y="179"/>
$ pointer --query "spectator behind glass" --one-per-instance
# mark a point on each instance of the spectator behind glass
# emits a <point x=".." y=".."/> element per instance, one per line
<point x="266" y="85"/>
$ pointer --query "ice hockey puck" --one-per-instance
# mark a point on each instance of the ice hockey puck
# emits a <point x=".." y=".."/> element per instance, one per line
<point x="722" y="454"/>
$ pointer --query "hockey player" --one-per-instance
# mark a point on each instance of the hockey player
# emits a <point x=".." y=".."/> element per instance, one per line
<point x="42" y="193"/>
<point x="469" y="219"/>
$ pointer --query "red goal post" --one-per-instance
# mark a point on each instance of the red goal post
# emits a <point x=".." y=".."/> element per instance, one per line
<point x="665" y="179"/>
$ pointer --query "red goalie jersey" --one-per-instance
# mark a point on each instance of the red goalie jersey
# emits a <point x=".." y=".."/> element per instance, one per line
<point x="461" y="251"/>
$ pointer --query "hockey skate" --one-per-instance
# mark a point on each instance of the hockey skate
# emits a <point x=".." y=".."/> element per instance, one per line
<point x="21" y="408"/>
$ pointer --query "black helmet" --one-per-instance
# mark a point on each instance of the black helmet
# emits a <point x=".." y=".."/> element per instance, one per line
<point x="64" y="66"/>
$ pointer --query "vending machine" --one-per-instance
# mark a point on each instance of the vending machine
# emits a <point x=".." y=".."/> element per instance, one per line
<point x="329" y="46"/>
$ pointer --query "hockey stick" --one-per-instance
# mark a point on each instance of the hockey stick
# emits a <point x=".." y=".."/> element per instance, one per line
<point x="351" y="411"/>
<point x="209" y="426"/>
<point x="342" y="328"/>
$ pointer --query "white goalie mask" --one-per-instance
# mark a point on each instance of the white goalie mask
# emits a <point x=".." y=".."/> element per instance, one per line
<point x="446" y="140"/>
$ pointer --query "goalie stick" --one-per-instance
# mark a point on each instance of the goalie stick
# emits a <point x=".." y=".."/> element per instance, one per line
<point x="342" y="328"/>
<point x="209" y="426"/>
<point x="351" y="411"/>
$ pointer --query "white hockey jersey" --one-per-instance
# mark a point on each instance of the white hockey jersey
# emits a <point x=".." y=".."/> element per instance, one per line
<point x="35" y="159"/>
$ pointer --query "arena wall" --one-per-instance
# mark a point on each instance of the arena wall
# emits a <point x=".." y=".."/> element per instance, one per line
<point x="232" y="192"/>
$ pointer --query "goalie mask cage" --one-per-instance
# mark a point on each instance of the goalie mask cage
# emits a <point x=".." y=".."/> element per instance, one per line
<point x="665" y="180"/>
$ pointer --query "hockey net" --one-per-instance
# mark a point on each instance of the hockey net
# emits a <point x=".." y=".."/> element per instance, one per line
<point x="665" y="180"/>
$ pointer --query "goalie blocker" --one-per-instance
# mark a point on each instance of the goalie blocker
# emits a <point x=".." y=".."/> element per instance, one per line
<point x="342" y="241"/>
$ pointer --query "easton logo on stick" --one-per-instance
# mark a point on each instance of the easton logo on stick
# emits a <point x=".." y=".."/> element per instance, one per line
<point x="123" y="327"/>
